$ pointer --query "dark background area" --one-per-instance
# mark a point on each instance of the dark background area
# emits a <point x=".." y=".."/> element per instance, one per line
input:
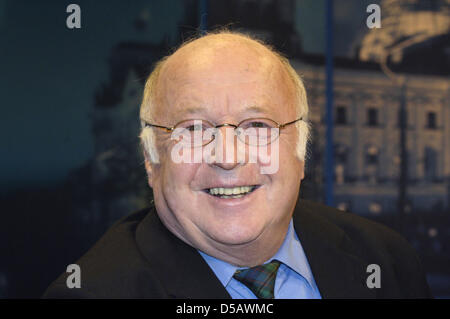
<point x="71" y="163"/>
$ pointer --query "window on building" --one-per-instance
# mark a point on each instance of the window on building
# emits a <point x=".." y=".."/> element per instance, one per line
<point x="341" y="115"/>
<point x="372" y="117"/>
<point x="340" y="153"/>
<point x="431" y="120"/>
<point x="430" y="163"/>
<point x="339" y="174"/>
<point x="372" y="155"/>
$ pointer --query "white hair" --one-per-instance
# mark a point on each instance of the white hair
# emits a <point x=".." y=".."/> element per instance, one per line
<point x="147" y="134"/>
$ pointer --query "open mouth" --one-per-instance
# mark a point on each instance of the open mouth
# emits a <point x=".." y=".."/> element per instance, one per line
<point x="231" y="192"/>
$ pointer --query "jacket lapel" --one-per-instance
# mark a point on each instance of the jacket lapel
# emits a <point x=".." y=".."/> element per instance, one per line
<point x="180" y="268"/>
<point x="337" y="270"/>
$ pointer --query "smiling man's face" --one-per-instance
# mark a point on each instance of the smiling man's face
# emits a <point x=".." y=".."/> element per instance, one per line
<point x="224" y="79"/>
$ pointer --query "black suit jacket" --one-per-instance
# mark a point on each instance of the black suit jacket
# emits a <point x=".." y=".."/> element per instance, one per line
<point x="139" y="258"/>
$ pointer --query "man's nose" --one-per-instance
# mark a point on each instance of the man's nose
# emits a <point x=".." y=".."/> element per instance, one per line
<point x="225" y="155"/>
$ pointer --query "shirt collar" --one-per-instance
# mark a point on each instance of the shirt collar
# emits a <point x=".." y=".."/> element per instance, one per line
<point x="291" y="254"/>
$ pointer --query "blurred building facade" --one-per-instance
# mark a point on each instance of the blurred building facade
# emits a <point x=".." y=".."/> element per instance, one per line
<point x="414" y="45"/>
<point x="367" y="136"/>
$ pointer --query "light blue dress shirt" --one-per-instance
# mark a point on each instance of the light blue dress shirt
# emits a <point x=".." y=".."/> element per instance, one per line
<point x="294" y="277"/>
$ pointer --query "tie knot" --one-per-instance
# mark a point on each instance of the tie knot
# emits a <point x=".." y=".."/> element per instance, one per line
<point x="260" y="279"/>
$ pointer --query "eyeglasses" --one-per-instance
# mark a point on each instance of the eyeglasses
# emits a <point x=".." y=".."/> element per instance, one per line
<point x="253" y="131"/>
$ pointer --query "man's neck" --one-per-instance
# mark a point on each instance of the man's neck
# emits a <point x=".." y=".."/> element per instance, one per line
<point x="249" y="254"/>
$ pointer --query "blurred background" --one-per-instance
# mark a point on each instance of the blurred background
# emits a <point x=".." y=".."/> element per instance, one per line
<point x="71" y="163"/>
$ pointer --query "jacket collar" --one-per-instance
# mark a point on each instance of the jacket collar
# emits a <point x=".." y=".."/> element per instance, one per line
<point x="338" y="271"/>
<point x="178" y="266"/>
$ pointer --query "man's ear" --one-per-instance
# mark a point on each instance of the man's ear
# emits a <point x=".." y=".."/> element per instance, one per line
<point x="149" y="169"/>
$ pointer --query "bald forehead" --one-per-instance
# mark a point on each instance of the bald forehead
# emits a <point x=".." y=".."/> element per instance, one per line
<point x="227" y="50"/>
<point x="222" y="63"/>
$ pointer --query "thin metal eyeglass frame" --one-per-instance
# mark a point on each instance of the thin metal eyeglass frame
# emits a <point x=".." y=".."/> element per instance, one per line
<point x="170" y="129"/>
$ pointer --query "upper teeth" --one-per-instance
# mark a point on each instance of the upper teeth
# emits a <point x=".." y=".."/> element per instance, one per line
<point x="230" y="191"/>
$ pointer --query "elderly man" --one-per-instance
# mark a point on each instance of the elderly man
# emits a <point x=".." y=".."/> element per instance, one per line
<point x="226" y="220"/>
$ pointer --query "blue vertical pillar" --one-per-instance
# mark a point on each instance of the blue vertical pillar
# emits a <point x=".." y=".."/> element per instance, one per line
<point x="203" y="13"/>
<point x="329" y="148"/>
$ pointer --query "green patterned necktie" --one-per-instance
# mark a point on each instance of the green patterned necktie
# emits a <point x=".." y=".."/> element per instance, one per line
<point x="260" y="279"/>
